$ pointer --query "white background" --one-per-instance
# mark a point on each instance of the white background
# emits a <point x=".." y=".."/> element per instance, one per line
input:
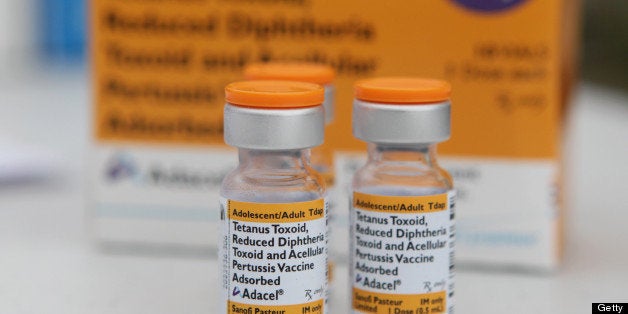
<point x="49" y="265"/>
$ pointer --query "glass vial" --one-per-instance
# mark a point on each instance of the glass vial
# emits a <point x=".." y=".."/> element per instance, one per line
<point x="273" y="208"/>
<point x="324" y="75"/>
<point x="402" y="208"/>
<point x="322" y="156"/>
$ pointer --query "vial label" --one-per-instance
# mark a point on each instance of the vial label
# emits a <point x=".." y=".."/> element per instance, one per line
<point x="274" y="257"/>
<point x="402" y="253"/>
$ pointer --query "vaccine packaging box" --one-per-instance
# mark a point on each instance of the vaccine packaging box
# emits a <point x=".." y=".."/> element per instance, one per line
<point x="159" y="69"/>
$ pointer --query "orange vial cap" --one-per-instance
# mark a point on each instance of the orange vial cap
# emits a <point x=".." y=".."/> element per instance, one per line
<point x="274" y="94"/>
<point x="402" y="90"/>
<point x="290" y="71"/>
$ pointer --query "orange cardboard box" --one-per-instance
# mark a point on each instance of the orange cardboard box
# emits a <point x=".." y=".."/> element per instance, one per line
<point x="159" y="69"/>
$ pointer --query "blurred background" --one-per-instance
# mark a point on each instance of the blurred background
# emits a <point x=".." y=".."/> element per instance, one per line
<point x="604" y="43"/>
<point x="48" y="266"/>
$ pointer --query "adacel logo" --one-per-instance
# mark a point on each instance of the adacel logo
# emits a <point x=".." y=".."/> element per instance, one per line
<point x="489" y="5"/>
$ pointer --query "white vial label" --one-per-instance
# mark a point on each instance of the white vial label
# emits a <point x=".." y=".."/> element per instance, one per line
<point x="274" y="257"/>
<point x="402" y="253"/>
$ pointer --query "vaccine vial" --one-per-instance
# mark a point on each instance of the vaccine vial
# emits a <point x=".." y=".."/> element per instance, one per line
<point x="402" y="207"/>
<point x="324" y="75"/>
<point x="273" y="246"/>
<point x="322" y="156"/>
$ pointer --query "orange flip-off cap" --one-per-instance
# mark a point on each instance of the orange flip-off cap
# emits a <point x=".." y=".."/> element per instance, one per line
<point x="402" y="90"/>
<point x="274" y="94"/>
<point x="290" y="71"/>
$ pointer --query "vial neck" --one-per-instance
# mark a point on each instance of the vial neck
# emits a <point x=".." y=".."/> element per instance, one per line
<point x="423" y="154"/>
<point x="278" y="160"/>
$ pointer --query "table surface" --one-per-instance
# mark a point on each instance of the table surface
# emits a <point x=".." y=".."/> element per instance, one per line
<point x="48" y="265"/>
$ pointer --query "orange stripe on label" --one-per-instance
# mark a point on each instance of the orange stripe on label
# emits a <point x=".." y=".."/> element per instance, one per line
<point x="315" y="307"/>
<point x="382" y="303"/>
<point x="400" y="204"/>
<point x="277" y="212"/>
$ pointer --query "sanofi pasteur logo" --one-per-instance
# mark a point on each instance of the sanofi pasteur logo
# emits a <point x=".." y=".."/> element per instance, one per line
<point x="489" y="5"/>
<point x="121" y="166"/>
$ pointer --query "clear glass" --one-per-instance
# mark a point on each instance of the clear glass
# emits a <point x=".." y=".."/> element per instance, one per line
<point x="322" y="155"/>
<point x="322" y="161"/>
<point x="273" y="176"/>
<point x="402" y="170"/>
